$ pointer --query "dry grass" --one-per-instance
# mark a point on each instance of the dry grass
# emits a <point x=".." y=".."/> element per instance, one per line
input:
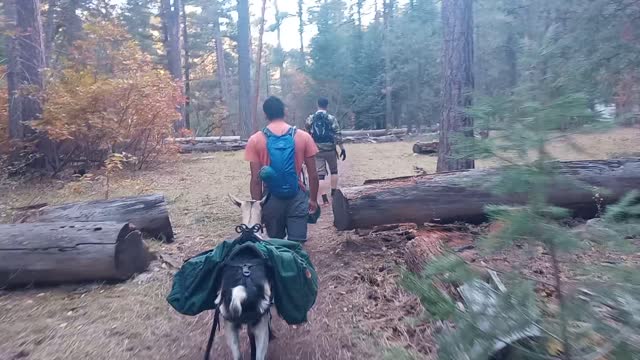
<point x="133" y="321"/>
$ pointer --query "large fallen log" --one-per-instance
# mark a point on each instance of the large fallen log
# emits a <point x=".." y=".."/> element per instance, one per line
<point x="373" y="133"/>
<point x="148" y="214"/>
<point x="62" y="252"/>
<point x="463" y="195"/>
<point x="205" y="139"/>
<point x="425" y="147"/>
<point x="206" y="147"/>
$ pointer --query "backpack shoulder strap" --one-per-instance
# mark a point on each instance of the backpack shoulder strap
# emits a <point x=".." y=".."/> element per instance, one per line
<point x="267" y="132"/>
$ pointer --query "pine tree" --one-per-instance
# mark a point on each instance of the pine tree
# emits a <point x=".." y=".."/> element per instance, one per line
<point x="574" y="325"/>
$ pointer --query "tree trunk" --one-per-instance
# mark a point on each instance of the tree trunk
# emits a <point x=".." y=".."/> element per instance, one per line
<point x="16" y="128"/>
<point x="256" y="95"/>
<point x="63" y="252"/>
<point x="171" y="26"/>
<point x="303" y="59"/>
<point x="49" y="31"/>
<point x="72" y="22"/>
<point x="26" y="63"/>
<point x="145" y="213"/>
<point x="244" y="68"/>
<point x="425" y="147"/>
<point x="227" y="127"/>
<point x="280" y="51"/>
<point x="463" y="195"/>
<point x="458" y="82"/>
<point x="388" y="91"/>
<point x="187" y="67"/>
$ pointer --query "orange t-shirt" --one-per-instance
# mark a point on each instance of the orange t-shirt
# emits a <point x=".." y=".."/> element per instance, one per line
<point x="256" y="150"/>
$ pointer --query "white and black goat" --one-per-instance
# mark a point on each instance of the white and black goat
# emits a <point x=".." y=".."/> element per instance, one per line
<point x="245" y="294"/>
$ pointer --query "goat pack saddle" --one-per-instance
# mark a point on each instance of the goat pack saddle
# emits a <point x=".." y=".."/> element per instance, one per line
<point x="293" y="277"/>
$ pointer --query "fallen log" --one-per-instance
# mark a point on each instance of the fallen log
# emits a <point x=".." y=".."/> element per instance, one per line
<point x="463" y="195"/>
<point x="371" y="140"/>
<point x="205" y="147"/>
<point x="425" y="147"/>
<point x="148" y="214"/>
<point x="63" y="252"/>
<point x="373" y="133"/>
<point x="205" y="139"/>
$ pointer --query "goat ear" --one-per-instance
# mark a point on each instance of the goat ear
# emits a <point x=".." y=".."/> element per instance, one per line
<point x="263" y="200"/>
<point x="235" y="200"/>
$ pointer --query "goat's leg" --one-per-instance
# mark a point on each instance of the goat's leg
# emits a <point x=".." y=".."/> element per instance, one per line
<point x="232" y="333"/>
<point x="252" y="342"/>
<point x="261" y="332"/>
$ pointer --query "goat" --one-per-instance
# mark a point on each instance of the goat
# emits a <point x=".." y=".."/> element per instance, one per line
<point x="245" y="294"/>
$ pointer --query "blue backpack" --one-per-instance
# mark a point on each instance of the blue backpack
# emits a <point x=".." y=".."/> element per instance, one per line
<point x="284" y="182"/>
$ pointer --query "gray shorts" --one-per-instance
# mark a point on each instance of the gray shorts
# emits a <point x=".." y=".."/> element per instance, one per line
<point x="286" y="219"/>
<point x="327" y="157"/>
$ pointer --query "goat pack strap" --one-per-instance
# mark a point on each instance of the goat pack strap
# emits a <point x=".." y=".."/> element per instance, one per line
<point x="294" y="283"/>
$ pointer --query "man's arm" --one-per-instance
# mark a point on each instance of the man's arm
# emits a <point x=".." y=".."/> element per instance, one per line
<point x="255" y="185"/>
<point x="314" y="182"/>
<point x="337" y="132"/>
<point x="308" y="122"/>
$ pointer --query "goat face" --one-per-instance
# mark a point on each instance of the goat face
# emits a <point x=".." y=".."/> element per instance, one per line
<point x="251" y="210"/>
<point x="245" y="299"/>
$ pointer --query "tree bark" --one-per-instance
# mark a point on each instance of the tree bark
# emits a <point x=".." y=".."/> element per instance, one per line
<point x="63" y="252"/>
<point x="16" y="128"/>
<point x="171" y="28"/>
<point x="458" y="81"/>
<point x="148" y="214"/>
<point x="244" y="68"/>
<point x="388" y="91"/>
<point x="227" y="126"/>
<point x="49" y="31"/>
<point x="303" y="59"/>
<point x="463" y="195"/>
<point x="256" y="95"/>
<point x="187" y="66"/>
<point x="279" y="21"/>
<point x="26" y="63"/>
<point x="72" y="22"/>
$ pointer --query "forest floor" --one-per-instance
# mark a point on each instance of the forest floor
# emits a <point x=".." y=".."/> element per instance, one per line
<point x="361" y="312"/>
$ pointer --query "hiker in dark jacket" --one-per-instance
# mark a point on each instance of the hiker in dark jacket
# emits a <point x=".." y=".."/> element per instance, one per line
<point x="325" y="130"/>
<point x="276" y="155"/>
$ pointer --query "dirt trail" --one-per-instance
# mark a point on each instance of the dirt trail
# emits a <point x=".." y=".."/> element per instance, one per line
<point x="351" y="291"/>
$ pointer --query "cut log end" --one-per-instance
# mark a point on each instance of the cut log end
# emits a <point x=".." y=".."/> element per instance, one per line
<point x="425" y="147"/>
<point x="69" y="252"/>
<point x="341" y="217"/>
<point x="132" y="256"/>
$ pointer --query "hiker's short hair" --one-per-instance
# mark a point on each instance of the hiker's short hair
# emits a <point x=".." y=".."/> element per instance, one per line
<point x="273" y="107"/>
<point x="323" y="103"/>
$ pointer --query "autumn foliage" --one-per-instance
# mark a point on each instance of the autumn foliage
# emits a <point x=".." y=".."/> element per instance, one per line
<point x="109" y="98"/>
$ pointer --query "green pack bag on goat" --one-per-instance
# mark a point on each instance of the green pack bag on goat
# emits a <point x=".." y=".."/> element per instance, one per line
<point x="294" y="281"/>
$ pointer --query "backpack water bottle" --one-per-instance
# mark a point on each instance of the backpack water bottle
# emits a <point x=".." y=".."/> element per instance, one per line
<point x="322" y="128"/>
<point x="283" y="182"/>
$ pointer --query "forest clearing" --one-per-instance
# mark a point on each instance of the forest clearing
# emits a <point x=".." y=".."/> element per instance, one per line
<point x="359" y="299"/>
<point x="383" y="179"/>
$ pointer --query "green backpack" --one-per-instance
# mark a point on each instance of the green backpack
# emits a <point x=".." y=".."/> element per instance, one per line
<point x="294" y="279"/>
